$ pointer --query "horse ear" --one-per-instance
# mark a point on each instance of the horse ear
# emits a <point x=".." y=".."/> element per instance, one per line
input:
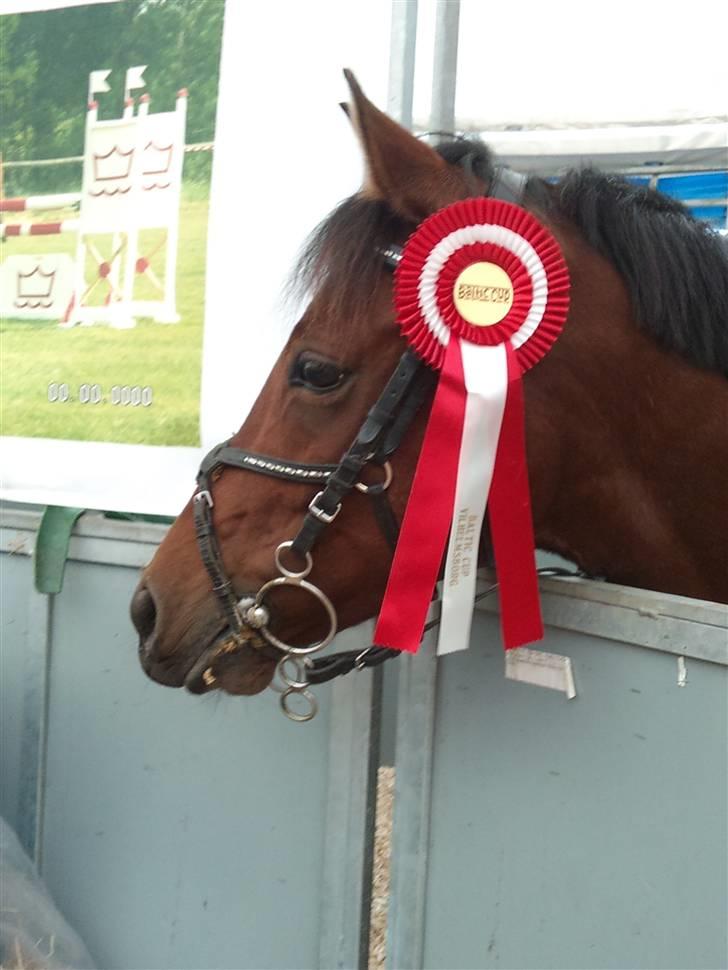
<point x="400" y="169"/>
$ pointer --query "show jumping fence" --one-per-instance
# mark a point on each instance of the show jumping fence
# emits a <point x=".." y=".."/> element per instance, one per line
<point x="131" y="181"/>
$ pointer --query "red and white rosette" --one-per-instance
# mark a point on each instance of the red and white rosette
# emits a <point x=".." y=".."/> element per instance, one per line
<point x="481" y="294"/>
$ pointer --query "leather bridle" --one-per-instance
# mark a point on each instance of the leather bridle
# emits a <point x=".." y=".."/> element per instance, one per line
<point x="377" y="440"/>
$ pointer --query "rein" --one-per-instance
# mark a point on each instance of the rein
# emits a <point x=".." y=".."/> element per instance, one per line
<point x="379" y="437"/>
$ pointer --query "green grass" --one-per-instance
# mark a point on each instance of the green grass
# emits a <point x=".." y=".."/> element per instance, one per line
<point x="165" y="357"/>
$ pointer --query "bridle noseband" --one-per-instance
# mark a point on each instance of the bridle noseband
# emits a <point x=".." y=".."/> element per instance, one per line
<point x="379" y="437"/>
<point x="377" y="440"/>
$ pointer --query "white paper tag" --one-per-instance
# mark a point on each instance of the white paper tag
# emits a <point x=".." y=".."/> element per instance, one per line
<point x="542" y="669"/>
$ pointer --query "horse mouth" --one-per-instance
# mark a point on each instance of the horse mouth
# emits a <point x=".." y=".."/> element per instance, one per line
<point x="235" y="664"/>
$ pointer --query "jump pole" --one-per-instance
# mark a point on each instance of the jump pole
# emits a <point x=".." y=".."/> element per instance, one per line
<point x="38" y="228"/>
<point x="64" y="200"/>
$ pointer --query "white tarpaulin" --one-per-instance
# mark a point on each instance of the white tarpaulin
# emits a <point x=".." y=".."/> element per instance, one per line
<point x="620" y="85"/>
<point x="704" y="145"/>
<point x="568" y="64"/>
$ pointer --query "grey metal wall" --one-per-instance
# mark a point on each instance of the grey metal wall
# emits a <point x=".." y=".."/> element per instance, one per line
<point x="536" y="831"/>
<point x="173" y="831"/>
<point x="530" y="830"/>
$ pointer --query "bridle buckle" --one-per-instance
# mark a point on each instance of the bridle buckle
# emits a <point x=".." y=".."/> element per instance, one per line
<point x="361" y="661"/>
<point x="321" y="514"/>
<point x="377" y="487"/>
<point x="204" y="496"/>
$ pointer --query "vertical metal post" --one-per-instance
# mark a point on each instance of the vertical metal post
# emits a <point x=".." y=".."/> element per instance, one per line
<point x="417" y="675"/>
<point x="445" y="63"/>
<point x="411" y="824"/>
<point x="348" y="851"/>
<point x="33" y="756"/>
<point x="402" y="61"/>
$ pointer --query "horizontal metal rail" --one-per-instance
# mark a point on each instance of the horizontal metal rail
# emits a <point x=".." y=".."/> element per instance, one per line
<point x="658" y="621"/>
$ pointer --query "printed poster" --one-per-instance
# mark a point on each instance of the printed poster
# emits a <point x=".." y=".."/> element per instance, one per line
<point x="107" y="149"/>
<point x="160" y="170"/>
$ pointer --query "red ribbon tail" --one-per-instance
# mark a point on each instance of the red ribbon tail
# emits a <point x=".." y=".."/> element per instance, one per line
<point x="511" y="523"/>
<point x="428" y="516"/>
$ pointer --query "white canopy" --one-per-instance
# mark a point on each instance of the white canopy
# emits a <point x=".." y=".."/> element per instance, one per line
<point x="683" y="146"/>
<point x="624" y="83"/>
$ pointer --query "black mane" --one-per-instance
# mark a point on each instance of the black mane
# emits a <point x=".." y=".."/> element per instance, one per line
<point x="675" y="267"/>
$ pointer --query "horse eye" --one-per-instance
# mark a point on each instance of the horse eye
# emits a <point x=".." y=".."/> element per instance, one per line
<point x="316" y="374"/>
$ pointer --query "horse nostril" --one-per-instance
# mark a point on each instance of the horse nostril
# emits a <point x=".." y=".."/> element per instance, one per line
<point x="143" y="612"/>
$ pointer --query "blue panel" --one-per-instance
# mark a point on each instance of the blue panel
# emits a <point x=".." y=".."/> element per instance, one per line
<point x="716" y="216"/>
<point x="698" y="185"/>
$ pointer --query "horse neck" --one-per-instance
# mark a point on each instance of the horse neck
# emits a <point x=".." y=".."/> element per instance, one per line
<point x="627" y="448"/>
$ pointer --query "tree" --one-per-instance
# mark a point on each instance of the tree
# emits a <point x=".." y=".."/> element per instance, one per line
<point x="48" y="55"/>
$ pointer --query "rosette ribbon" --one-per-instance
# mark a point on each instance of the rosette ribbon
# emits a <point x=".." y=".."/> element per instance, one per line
<point x="481" y="294"/>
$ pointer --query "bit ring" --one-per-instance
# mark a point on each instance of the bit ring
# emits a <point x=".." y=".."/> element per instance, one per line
<point x="323" y="599"/>
<point x="295" y="715"/>
<point x="297" y="681"/>
<point x="289" y="572"/>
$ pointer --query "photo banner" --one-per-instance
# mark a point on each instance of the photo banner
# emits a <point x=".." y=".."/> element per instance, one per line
<point x="105" y="187"/>
<point x="141" y="296"/>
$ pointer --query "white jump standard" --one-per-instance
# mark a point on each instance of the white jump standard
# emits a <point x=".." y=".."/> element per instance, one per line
<point x="132" y="180"/>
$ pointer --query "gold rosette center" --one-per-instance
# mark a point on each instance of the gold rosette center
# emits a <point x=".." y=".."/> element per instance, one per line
<point x="483" y="294"/>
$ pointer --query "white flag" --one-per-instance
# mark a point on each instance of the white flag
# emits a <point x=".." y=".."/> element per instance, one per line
<point x="97" y="83"/>
<point x="134" y="78"/>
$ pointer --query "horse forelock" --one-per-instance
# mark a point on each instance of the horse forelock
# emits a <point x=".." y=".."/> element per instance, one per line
<point x="341" y="261"/>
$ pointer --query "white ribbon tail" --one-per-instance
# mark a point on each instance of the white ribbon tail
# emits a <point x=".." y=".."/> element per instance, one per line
<point x="486" y="381"/>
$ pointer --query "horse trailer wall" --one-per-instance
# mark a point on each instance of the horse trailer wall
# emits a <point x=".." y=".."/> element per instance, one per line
<point x="530" y="830"/>
<point x="533" y="831"/>
<point x="173" y="833"/>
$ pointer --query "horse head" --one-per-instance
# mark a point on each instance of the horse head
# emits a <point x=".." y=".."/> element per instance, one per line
<point x="583" y="402"/>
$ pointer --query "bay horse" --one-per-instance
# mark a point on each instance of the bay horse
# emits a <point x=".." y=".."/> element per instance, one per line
<point x="626" y="418"/>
